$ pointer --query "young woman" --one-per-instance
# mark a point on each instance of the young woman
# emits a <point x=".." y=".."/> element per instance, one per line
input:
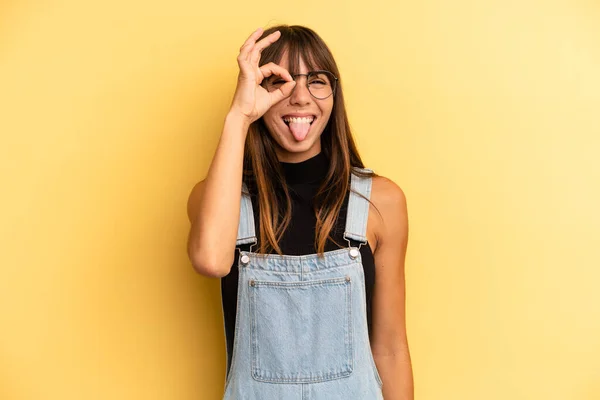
<point x="309" y="244"/>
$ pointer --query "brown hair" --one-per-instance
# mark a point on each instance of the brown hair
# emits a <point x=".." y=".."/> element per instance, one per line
<point x="262" y="171"/>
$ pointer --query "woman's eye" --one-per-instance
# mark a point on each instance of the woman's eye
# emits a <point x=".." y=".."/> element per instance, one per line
<point x="317" y="82"/>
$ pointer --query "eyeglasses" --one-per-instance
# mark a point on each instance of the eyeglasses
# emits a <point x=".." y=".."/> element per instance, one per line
<point x="321" y="84"/>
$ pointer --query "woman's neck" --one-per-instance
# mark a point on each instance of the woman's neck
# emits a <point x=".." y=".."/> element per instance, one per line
<point x="311" y="170"/>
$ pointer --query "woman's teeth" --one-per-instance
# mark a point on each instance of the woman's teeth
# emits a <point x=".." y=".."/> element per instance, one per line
<point x="303" y="120"/>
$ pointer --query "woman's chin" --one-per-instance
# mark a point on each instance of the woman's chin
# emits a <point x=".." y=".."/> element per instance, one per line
<point x="293" y="151"/>
<point x="292" y="145"/>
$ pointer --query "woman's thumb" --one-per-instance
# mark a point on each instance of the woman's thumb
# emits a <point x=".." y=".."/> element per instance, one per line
<point x="284" y="91"/>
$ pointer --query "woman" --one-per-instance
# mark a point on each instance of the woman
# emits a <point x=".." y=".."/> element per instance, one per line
<point x="309" y="244"/>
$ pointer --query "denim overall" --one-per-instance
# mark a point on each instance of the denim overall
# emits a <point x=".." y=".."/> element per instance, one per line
<point x="301" y="324"/>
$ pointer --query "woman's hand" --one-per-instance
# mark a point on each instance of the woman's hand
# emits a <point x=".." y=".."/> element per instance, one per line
<point x="251" y="100"/>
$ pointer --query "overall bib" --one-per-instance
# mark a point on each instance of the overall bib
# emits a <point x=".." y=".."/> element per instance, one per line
<point x="301" y="325"/>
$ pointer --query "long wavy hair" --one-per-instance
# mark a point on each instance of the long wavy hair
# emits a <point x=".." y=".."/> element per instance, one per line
<point x="262" y="171"/>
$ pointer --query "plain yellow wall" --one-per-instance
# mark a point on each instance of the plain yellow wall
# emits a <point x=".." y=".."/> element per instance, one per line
<point x="486" y="113"/>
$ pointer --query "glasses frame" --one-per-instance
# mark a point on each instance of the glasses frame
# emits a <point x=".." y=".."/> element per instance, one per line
<point x="316" y="72"/>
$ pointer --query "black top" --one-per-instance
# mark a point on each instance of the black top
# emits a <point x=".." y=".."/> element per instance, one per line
<point x="303" y="180"/>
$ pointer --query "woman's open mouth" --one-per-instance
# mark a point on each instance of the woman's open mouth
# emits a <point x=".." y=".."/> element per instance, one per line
<point x="299" y="126"/>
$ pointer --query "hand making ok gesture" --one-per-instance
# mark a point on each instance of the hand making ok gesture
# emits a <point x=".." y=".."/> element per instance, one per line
<point x="251" y="100"/>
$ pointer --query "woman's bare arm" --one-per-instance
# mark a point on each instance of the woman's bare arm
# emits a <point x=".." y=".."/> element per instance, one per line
<point x="214" y="203"/>
<point x="389" y="340"/>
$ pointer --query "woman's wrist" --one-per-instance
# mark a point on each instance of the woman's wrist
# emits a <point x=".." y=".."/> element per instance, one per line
<point x="237" y="120"/>
<point x="236" y="124"/>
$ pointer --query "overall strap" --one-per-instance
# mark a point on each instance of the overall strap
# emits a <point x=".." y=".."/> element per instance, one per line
<point x="358" y="207"/>
<point x="246" y="231"/>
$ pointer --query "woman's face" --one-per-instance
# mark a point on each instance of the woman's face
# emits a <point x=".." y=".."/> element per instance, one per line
<point x="297" y="122"/>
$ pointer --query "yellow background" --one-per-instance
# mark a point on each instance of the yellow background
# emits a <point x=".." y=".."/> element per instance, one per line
<point x="486" y="113"/>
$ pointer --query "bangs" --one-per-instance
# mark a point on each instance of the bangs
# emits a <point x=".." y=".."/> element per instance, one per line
<point x="303" y="50"/>
<point x="299" y="44"/>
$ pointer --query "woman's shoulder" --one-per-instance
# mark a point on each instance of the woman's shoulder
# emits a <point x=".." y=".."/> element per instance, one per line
<point x="386" y="191"/>
<point x="388" y="203"/>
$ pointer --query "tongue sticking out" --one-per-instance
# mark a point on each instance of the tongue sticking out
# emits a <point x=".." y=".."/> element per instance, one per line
<point x="299" y="130"/>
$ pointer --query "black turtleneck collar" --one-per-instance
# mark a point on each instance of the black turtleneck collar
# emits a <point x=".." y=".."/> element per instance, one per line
<point x="308" y="171"/>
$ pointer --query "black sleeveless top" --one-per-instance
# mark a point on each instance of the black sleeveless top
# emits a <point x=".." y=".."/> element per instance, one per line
<point x="303" y="180"/>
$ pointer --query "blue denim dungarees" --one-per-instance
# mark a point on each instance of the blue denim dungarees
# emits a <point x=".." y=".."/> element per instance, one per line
<point x="301" y="324"/>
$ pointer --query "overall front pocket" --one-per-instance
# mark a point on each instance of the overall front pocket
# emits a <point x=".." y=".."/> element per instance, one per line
<point x="301" y="332"/>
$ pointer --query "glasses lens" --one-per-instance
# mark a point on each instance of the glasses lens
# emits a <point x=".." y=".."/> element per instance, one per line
<point x="321" y="84"/>
<point x="273" y="83"/>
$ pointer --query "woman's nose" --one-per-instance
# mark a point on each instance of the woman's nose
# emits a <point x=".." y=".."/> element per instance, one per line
<point x="300" y="93"/>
